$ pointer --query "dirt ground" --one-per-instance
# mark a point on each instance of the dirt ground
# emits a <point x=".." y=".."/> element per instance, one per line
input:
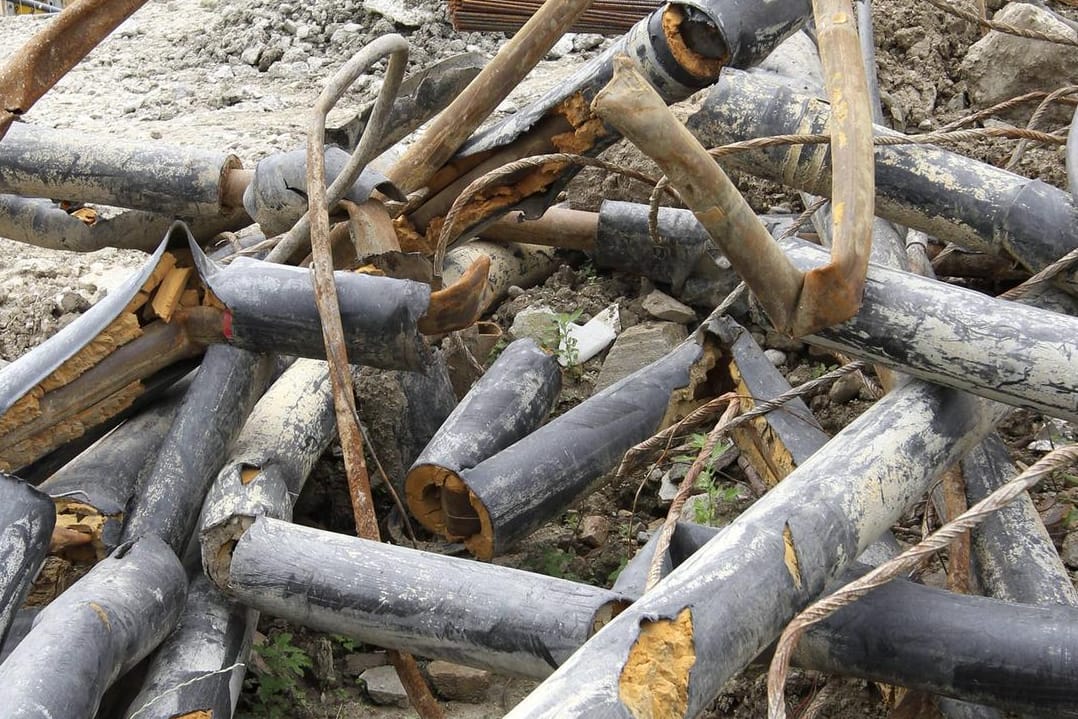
<point x="241" y="77"/>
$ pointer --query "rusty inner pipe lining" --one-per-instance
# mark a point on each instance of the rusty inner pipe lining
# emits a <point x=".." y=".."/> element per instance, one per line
<point x="693" y="41"/>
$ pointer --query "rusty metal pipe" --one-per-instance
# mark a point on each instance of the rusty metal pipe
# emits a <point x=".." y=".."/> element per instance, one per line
<point x="49" y="54"/>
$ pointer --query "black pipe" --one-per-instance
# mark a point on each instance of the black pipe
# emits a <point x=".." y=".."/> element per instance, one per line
<point x="942" y="193"/>
<point x="26" y="522"/>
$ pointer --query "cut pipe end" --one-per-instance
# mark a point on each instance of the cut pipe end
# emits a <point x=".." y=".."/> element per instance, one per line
<point x="440" y="500"/>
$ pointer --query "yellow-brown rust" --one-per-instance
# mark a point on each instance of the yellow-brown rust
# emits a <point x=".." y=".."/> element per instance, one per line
<point x="789" y="555"/>
<point x="654" y="683"/>
<point x="457" y="306"/>
<point x="705" y="68"/>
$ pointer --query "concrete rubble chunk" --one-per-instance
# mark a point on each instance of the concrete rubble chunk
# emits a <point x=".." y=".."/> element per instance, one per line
<point x="399" y="12"/>
<point x="537" y="323"/>
<point x="662" y="306"/>
<point x="1069" y="554"/>
<point x="594" y="530"/>
<point x="637" y="347"/>
<point x="1030" y="64"/>
<point x="458" y="682"/>
<point x="384" y="686"/>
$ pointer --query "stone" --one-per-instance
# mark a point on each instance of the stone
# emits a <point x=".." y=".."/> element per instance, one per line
<point x="536" y="322"/>
<point x="561" y="48"/>
<point x="358" y="662"/>
<point x="72" y="302"/>
<point x="322" y="666"/>
<point x="697" y="507"/>
<point x="594" y="530"/>
<point x="384" y="686"/>
<point x="775" y="357"/>
<point x="1000" y="66"/>
<point x="845" y="388"/>
<point x="250" y="55"/>
<point x="662" y="306"/>
<point x="458" y="682"/>
<point x="637" y="347"/>
<point x="409" y="14"/>
<point x="1069" y="553"/>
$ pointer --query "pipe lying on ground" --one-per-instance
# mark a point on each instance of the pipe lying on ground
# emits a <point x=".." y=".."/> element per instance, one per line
<point x="92" y="491"/>
<point x="288" y="429"/>
<point x="43" y="223"/>
<point x="1004" y="654"/>
<point x="505" y="497"/>
<point x="94" y="632"/>
<point x="188" y="675"/>
<point x="1015" y="557"/>
<point x="26" y="524"/>
<point x="460" y="610"/>
<point x="222" y="394"/>
<point x="942" y="193"/>
<point x="508" y="402"/>
<point x="676" y="646"/>
<point x="61" y="165"/>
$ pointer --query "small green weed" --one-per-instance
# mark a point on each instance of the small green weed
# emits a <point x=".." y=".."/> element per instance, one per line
<point x="563" y="343"/>
<point x="276" y="690"/>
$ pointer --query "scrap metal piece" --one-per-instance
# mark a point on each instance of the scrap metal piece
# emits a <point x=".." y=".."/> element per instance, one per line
<point x="421" y="96"/>
<point x="57" y="48"/>
<point x="277" y="196"/>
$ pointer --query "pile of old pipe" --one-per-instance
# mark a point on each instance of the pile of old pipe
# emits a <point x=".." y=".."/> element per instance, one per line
<point x="932" y="330"/>
<point x="504" y="497"/>
<point x="1008" y="655"/>
<point x="94" y="632"/>
<point x="947" y="195"/>
<point x="197" y="668"/>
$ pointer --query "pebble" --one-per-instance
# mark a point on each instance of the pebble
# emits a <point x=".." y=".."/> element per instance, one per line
<point x="458" y="682"/>
<point x="775" y="357"/>
<point x="664" y="307"/>
<point x="845" y="388"/>
<point x="384" y="686"/>
<point x="594" y="530"/>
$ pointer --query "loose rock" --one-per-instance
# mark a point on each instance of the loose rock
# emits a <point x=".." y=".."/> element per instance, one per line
<point x="1069" y="554"/>
<point x="458" y="682"/>
<point x="1030" y="64"/>
<point x="637" y="347"/>
<point x="664" y="307"/>
<point x="384" y="686"/>
<point x="358" y="662"/>
<point x="775" y="357"/>
<point x="594" y="530"/>
<point x="845" y="388"/>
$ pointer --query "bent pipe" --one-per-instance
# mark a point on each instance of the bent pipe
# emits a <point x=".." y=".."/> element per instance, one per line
<point x="482" y="615"/>
<point x="932" y="330"/>
<point x="99" y="628"/>
<point x="1007" y="655"/>
<point x="271" y="308"/>
<point x="509" y="401"/>
<point x="27" y="519"/>
<point x="679" y="48"/>
<point x="947" y="195"/>
<point x="43" y="223"/>
<point x="61" y="165"/>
